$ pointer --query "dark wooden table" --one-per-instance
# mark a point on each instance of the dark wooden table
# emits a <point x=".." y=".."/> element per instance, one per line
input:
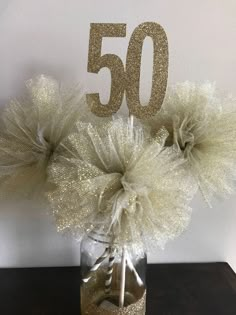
<point x="173" y="289"/>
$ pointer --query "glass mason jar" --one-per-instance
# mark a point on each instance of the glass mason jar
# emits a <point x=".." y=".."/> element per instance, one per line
<point x="113" y="277"/>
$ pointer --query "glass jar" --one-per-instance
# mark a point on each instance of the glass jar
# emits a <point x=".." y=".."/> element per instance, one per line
<point x="113" y="277"/>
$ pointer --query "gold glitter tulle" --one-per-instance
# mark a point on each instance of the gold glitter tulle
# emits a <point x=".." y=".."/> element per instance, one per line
<point x="115" y="176"/>
<point x="202" y="127"/>
<point x="32" y="129"/>
<point x="132" y="178"/>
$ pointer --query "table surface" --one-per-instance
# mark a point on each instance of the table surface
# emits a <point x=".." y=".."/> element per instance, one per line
<point x="172" y="289"/>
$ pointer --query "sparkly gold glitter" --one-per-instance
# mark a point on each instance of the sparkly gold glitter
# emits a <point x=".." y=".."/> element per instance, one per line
<point x="201" y="125"/>
<point x="32" y="128"/>
<point x="160" y="69"/>
<point x="113" y="62"/>
<point x="92" y="295"/>
<point x="129" y="80"/>
<point x="136" y="308"/>
<point x="119" y="178"/>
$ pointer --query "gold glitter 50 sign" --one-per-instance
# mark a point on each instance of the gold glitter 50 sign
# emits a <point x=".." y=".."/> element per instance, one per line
<point x="128" y="80"/>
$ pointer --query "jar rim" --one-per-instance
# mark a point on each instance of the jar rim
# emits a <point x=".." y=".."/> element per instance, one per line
<point x="92" y="235"/>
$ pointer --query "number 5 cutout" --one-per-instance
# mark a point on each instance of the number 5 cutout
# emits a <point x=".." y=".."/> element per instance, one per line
<point x="128" y="80"/>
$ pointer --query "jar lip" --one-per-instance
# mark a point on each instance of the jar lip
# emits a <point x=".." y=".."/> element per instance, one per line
<point x="93" y="235"/>
<point x="98" y="234"/>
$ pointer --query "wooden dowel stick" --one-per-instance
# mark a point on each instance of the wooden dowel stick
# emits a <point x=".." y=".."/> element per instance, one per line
<point x="132" y="268"/>
<point x="122" y="285"/>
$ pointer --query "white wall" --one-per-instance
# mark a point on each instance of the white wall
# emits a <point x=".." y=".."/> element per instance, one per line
<point x="51" y="36"/>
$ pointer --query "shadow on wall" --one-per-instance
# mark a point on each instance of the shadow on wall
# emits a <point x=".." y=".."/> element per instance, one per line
<point x="209" y="236"/>
<point x="28" y="234"/>
<point x="15" y="87"/>
<point x="28" y="238"/>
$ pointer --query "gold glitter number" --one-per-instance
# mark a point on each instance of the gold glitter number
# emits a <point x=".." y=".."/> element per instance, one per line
<point x="111" y="61"/>
<point x="160" y="69"/>
<point x="128" y="80"/>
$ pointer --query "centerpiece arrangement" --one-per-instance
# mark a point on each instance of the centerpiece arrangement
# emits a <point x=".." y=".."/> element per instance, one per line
<point x="121" y="184"/>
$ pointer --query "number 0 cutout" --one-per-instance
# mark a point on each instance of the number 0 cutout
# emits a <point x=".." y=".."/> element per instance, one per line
<point x="128" y="80"/>
<point x="160" y="69"/>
